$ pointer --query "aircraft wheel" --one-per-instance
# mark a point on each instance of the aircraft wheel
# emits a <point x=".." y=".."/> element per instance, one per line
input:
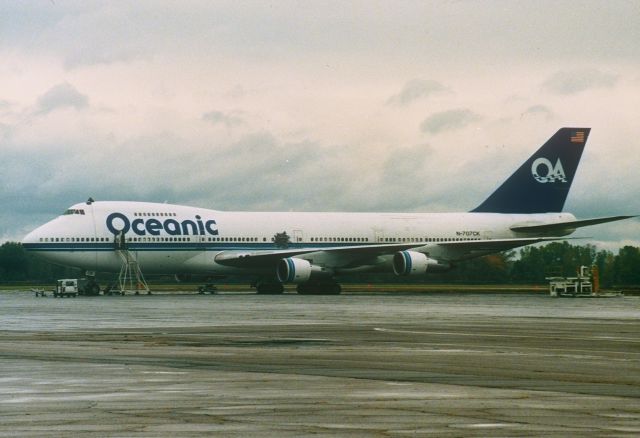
<point x="319" y="289"/>
<point x="94" y="289"/>
<point x="270" y="288"/>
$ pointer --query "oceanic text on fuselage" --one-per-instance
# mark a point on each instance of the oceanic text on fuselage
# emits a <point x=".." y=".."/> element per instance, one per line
<point x="119" y="223"/>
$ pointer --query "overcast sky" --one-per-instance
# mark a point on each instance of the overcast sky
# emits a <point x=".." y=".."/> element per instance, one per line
<point x="313" y="106"/>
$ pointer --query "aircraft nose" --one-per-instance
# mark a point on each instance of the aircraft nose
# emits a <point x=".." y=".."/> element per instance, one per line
<point x="32" y="238"/>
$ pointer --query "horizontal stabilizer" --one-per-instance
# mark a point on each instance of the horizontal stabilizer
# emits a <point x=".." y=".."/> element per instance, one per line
<point x="564" y="227"/>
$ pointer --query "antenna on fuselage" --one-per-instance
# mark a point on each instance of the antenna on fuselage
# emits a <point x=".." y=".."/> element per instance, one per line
<point x="90" y="201"/>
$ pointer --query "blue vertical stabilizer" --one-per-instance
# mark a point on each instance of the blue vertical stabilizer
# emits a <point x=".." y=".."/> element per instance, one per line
<point x="542" y="183"/>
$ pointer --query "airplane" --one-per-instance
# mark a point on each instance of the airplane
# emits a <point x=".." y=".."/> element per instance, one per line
<point x="312" y="250"/>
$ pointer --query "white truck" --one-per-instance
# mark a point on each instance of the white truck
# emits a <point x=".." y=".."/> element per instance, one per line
<point x="72" y="287"/>
<point x="68" y="287"/>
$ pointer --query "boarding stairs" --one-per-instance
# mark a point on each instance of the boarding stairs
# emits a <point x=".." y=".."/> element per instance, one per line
<point x="130" y="278"/>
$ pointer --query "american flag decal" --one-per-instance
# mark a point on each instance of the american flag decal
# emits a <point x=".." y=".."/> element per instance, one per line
<point x="577" y="137"/>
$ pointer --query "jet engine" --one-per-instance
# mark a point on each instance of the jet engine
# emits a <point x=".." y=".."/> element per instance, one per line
<point x="416" y="263"/>
<point x="295" y="270"/>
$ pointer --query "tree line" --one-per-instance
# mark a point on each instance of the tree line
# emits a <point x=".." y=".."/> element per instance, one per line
<point x="529" y="265"/>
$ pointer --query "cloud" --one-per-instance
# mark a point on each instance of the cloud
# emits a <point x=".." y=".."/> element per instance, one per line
<point x="539" y="110"/>
<point x="577" y="81"/>
<point x="220" y="118"/>
<point x="403" y="165"/>
<point x="334" y="98"/>
<point x="448" y="121"/>
<point x="91" y="56"/>
<point x="414" y="90"/>
<point x="62" y="95"/>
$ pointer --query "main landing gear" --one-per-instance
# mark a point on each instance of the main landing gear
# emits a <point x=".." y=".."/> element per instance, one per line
<point x="274" y="288"/>
<point x="208" y="288"/>
<point x="269" y="288"/>
<point x="319" y="288"/>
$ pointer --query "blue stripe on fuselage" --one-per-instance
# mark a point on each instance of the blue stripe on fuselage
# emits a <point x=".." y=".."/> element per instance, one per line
<point x="173" y="246"/>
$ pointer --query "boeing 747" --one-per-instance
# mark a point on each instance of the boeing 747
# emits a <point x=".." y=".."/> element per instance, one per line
<point x="312" y="250"/>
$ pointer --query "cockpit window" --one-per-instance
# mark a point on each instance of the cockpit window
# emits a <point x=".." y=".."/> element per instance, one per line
<point x="73" y="211"/>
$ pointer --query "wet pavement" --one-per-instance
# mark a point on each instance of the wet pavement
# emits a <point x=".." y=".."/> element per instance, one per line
<point x="388" y="364"/>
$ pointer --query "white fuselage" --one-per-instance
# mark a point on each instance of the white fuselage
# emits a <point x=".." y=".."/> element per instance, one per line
<point x="174" y="239"/>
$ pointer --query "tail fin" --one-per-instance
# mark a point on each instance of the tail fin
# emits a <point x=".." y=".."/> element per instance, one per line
<point x="542" y="183"/>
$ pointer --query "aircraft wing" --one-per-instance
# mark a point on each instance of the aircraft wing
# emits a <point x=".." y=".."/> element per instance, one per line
<point x="455" y="251"/>
<point x="350" y="255"/>
<point x="566" y="227"/>
<point x="252" y="259"/>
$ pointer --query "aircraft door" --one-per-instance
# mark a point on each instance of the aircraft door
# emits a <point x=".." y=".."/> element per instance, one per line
<point x="89" y="211"/>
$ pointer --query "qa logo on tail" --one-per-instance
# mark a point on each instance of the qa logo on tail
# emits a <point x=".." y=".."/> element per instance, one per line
<point x="544" y="171"/>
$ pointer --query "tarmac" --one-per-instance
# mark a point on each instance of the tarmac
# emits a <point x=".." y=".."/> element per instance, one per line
<point x="357" y="365"/>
